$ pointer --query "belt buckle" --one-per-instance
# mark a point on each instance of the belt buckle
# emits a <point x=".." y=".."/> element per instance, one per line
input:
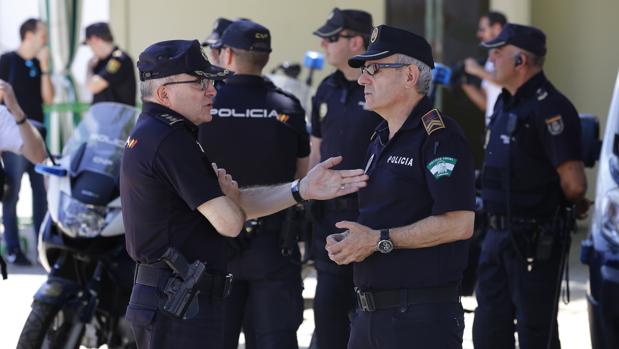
<point x="227" y="285"/>
<point x="366" y="300"/>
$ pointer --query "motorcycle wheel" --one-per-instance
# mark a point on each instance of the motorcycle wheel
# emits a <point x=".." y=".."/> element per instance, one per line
<point x="50" y="326"/>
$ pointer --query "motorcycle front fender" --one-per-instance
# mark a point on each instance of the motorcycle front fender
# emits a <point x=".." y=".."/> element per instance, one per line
<point x="56" y="290"/>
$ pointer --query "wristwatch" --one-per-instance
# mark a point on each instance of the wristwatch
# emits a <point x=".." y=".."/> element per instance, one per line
<point x="294" y="189"/>
<point x="385" y="245"/>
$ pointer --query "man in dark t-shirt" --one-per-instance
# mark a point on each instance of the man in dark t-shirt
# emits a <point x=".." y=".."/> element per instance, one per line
<point x="110" y="75"/>
<point x="27" y="70"/>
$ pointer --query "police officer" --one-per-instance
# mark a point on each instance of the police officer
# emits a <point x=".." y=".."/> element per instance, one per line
<point x="260" y="139"/>
<point x="173" y="198"/>
<point x="110" y="76"/>
<point x="532" y="170"/>
<point x="340" y="125"/>
<point x="409" y="243"/>
<point x="219" y="26"/>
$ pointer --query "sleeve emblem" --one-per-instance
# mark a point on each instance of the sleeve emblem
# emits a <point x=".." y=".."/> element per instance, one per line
<point x="555" y="125"/>
<point x="442" y="167"/>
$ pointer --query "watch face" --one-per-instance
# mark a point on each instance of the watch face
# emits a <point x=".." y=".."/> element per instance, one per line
<point x="385" y="246"/>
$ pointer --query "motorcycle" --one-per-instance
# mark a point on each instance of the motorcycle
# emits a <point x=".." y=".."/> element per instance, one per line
<point x="82" y="243"/>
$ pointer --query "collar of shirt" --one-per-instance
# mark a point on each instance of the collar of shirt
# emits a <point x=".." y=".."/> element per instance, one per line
<point x="525" y="91"/>
<point x="413" y="120"/>
<point x="156" y="108"/>
<point x="245" y="79"/>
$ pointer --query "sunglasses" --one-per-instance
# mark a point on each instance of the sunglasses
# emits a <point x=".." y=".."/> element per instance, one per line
<point x="336" y="37"/>
<point x="374" y="68"/>
<point x="204" y="83"/>
<point x="33" y="70"/>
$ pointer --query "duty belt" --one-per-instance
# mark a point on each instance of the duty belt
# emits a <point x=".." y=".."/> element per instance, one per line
<point x="376" y="300"/>
<point x="265" y="224"/>
<point x="157" y="274"/>
<point x="500" y="222"/>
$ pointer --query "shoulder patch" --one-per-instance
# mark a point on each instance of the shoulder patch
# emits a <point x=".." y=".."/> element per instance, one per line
<point x="117" y="53"/>
<point x="554" y="125"/>
<point x="432" y="121"/>
<point x="112" y="66"/>
<point x="169" y="119"/>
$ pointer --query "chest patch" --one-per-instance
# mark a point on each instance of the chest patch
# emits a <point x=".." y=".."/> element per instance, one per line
<point x="555" y="125"/>
<point x="442" y="167"/>
<point x="432" y="121"/>
<point x="400" y="160"/>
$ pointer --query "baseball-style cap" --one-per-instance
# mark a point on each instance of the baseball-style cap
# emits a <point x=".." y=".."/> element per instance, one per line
<point x="338" y="20"/>
<point x="219" y="26"/>
<point x="174" y="57"/>
<point x="99" y="29"/>
<point x="245" y="35"/>
<point x="386" y="41"/>
<point x="522" y="36"/>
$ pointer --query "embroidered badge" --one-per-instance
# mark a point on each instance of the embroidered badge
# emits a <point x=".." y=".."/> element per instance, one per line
<point x="322" y="112"/>
<point x="555" y="125"/>
<point x="400" y="160"/>
<point x="541" y="94"/>
<point x="432" y="121"/>
<point x="170" y="119"/>
<point x="283" y="118"/>
<point x="117" y="53"/>
<point x="442" y="167"/>
<point x="374" y="34"/>
<point x="112" y="66"/>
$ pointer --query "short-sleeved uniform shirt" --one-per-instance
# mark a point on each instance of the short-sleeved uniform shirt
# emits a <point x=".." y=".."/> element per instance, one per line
<point x="118" y="70"/>
<point x="257" y="134"/>
<point x="10" y="139"/>
<point x="25" y="78"/>
<point x="545" y="132"/>
<point x="425" y="169"/>
<point x="164" y="177"/>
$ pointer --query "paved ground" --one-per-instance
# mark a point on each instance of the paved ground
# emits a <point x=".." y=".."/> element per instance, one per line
<point x="16" y="296"/>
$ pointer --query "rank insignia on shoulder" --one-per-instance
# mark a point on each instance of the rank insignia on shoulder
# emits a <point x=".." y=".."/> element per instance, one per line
<point x="283" y="118"/>
<point x="117" y="53"/>
<point x="541" y="94"/>
<point x="169" y="119"/>
<point x="131" y="142"/>
<point x="555" y="125"/>
<point x="432" y="121"/>
<point x="112" y="66"/>
<point x="322" y="112"/>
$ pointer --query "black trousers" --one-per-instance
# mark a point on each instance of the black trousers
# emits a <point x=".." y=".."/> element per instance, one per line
<point x="507" y="291"/>
<point x="424" y="326"/>
<point x="154" y="329"/>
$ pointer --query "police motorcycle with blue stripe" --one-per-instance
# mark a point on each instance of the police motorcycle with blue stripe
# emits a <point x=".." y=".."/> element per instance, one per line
<point x="82" y="243"/>
<point x="600" y="251"/>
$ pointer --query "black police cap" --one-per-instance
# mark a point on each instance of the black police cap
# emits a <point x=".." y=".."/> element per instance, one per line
<point x="174" y="57"/>
<point x="386" y="41"/>
<point x="219" y="27"/>
<point x="245" y="35"/>
<point x="522" y="36"/>
<point x="99" y="29"/>
<point x="338" y="20"/>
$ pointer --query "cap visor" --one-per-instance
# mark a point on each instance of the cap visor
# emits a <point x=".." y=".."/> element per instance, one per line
<point x="210" y="40"/>
<point x="358" y="60"/>
<point x="327" y="30"/>
<point x="214" y="72"/>
<point x="493" y="43"/>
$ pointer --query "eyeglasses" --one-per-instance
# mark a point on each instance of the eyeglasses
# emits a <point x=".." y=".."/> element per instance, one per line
<point x="336" y="37"/>
<point x="374" y="68"/>
<point x="204" y="83"/>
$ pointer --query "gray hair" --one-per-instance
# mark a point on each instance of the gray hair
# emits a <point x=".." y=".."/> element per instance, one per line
<point x="425" y="73"/>
<point x="148" y="87"/>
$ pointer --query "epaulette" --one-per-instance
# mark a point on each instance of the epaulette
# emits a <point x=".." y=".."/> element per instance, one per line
<point x="373" y="136"/>
<point x="283" y="92"/>
<point x="432" y="121"/>
<point x="169" y="119"/>
<point x="541" y="94"/>
<point x="117" y="53"/>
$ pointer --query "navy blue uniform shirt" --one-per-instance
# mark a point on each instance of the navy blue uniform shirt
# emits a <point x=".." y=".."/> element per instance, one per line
<point x="545" y="132"/>
<point x="340" y="120"/>
<point x="119" y="72"/>
<point x="414" y="175"/>
<point x="25" y="78"/>
<point x="257" y="132"/>
<point x="164" y="177"/>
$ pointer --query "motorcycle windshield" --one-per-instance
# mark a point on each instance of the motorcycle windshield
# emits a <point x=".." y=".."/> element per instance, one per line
<point x="104" y="129"/>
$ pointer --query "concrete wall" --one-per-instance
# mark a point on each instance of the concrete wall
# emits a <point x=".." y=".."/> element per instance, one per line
<point x="139" y="23"/>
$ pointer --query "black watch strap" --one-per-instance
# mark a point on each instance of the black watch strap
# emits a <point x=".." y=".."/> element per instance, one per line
<point x="384" y="234"/>
<point x="294" y="189"/>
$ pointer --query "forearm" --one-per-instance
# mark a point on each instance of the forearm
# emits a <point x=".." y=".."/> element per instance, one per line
<point x="434" y="230"/>
<point x="47" y="89"/>
<point x="265" y="200"/>
<point x="33" y="147"/>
